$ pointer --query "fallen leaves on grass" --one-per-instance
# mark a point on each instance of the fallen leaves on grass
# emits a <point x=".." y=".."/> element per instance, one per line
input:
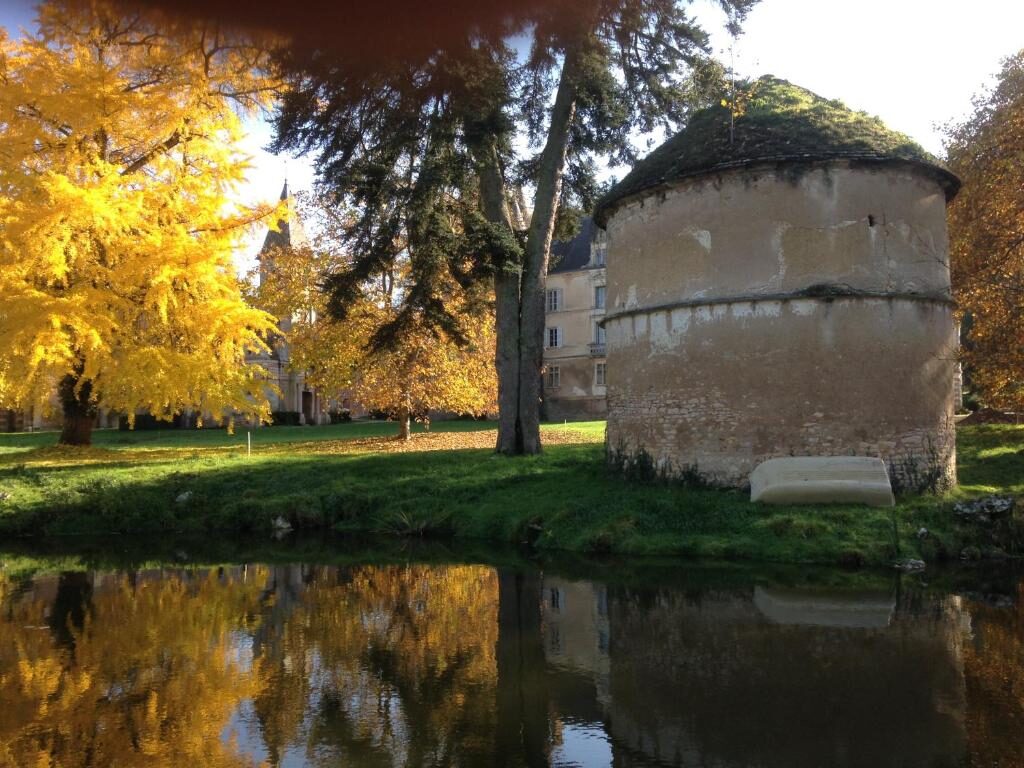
<point x="61" y="456"/>
<point x="427" y="441"/>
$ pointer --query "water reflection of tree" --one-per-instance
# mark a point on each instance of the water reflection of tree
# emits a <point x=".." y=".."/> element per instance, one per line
<point x="447" y="665"/>
<point x="397" y="665"/>
<point x="994" y="674"/>
<point x="283" y="660"/>
<point x="370" y="665"/>
<point x="139" y="673"/>
<point x="523" y="699"/>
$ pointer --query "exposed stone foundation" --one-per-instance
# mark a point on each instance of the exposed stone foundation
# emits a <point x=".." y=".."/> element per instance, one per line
<point x="722" y="388"/>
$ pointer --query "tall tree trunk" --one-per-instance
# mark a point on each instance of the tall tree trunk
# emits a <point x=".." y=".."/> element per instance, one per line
<point x="79" y="411"/>
<point x="506" y="359"/>
<point x="519" y="296"/>
<point x="535" y="258"/>
<point x="405" y="422"/>
<point x="506" y="298"/>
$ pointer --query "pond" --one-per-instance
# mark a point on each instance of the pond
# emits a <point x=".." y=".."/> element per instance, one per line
<point x="328" y="656"/>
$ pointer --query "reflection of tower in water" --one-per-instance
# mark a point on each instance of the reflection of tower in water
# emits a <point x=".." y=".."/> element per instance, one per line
<point x="786" y="678"/>
<point x="744" y="676"/>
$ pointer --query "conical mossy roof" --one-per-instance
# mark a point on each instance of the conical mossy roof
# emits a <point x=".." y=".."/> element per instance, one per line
<point x="780" y="123"/>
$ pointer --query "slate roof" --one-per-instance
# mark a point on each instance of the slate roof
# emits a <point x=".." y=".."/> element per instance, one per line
<point x="571" y="255"/>
<point x="781" y="123"/>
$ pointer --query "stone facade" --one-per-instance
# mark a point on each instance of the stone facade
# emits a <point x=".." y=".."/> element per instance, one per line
<point x="764" y="312"/>
<point x="293" y="393"/>
<point x="574" y="353"/>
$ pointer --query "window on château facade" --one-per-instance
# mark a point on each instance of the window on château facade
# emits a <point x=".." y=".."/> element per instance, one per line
<point x="554" y="337"/>
<point x="554" y="377"/>
<point x="599" y="373"/>
<point x="598" y="333"/>
<point x="554" y="299"/>
<point x="599" y="293"/>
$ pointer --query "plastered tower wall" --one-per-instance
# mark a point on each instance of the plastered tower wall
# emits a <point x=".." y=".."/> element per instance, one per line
<point x="786" y="310"/>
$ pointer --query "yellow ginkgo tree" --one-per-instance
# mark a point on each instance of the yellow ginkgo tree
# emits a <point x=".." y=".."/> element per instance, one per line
<point x="118" y="165"/>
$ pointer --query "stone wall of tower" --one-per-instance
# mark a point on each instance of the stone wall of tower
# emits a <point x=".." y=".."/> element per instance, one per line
<point x="786" y="311"/>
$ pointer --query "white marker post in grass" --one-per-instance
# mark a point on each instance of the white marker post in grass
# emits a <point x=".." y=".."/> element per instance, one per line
<point x="248" y="440"/>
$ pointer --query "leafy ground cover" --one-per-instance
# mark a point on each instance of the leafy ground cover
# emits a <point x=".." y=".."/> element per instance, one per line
<point x="355" y="479"/>
<point x="219" y="438"/>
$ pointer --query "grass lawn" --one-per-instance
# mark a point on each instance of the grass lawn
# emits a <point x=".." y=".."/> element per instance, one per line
<point x="219" y="438"/>
<point x="449" y="483"/>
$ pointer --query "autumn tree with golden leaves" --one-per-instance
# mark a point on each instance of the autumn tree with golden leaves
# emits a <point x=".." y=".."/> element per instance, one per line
<point x="143" y="671"/>
<point x="423" y="637"/>
<point x="994" y="682"/>
<point x="986" y="222"/>
<point x="117" y="225"/>
<point x="426" y="369"/>
<point x="150" y="676"/>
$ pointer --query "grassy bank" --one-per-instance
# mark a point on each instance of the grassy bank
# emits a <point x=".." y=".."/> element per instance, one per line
<point x="23" y="558"/>
<point x="353" y="479"/>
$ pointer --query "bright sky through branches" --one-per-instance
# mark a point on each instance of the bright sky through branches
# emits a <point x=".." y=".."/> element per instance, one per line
<point x="916" y="64"/>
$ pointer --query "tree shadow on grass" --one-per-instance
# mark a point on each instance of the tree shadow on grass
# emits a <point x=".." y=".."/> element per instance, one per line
<point x="562" y="499"/>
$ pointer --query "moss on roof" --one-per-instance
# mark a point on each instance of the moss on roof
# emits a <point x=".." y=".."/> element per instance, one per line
<point x="780" y="123"/>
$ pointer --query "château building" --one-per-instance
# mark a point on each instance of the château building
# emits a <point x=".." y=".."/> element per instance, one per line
<point x="574" y="348"/>
<point x="294" y="394"/>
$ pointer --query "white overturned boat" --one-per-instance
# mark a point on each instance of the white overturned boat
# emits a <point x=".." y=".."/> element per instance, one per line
<point x="822" y="480"/>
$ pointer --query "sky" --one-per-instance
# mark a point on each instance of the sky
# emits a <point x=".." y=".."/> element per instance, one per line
<point x="916" y="64"/>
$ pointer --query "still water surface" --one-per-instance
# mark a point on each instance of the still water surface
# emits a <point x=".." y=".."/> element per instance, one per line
<point x="475" y="665"/>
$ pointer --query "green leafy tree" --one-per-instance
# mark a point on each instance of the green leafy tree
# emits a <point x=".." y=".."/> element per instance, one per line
<point x="426" y="368"/>
<point x="423" y="144"/>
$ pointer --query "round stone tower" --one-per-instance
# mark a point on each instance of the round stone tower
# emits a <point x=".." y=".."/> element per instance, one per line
<point x="778" y="285"/>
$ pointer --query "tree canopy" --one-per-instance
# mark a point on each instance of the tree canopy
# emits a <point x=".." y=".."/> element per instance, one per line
<point x="117" y="225"/>
<point x="987" y="238"/>
<point x="424" y="368"/>
<point x="428" y="146"/>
